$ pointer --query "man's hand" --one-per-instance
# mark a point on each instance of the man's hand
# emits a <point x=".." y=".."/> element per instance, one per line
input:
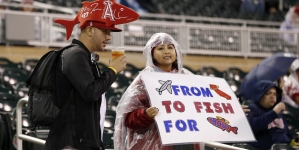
<point x="152" y="112"/>
<point x="279" y="107"/>
<point x="119" y="64"/>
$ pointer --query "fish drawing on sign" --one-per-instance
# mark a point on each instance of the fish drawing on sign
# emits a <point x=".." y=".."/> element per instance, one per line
<point x="164" y="85"/>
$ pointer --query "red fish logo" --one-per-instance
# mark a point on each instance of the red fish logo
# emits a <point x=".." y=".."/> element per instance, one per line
<point x="223" y="124"/>
<point x="100" y="13"/>
<point x="219" y="92"/>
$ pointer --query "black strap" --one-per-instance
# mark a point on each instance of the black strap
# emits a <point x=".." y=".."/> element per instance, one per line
<point x="73" y="114"/>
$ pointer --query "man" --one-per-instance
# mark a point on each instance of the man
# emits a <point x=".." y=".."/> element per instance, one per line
<point x="265" y="117"/>
<point x="80" y="85"/>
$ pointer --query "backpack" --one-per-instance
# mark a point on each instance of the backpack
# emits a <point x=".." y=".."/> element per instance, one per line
<point x="42" y="100"/>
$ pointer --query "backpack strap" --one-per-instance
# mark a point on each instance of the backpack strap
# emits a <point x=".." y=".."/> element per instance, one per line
<point x="73" y="111"/>
<point x="73" y="114"/>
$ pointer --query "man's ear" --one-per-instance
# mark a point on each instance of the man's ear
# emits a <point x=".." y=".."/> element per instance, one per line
<point x="89" y="31"/>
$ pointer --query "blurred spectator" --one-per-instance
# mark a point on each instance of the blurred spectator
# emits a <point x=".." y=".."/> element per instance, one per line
<point x="291" y="23"/>
<point x="27" y="5"/>
<point x="291" y="86"/>
<point x="271" y="6"/>
<point x="253" y="6"/>
<point x="2" y="7"/>
<point x="265" y="117"/>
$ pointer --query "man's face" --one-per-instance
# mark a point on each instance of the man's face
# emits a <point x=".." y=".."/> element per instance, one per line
<point x="269" y="99"/>
<point x="100" y="38"/>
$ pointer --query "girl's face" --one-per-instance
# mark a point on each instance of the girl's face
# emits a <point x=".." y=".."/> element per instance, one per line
<point x="165" y="55"/>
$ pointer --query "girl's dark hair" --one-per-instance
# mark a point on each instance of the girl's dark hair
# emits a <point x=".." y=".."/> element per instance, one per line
<point x="174" y="64"/>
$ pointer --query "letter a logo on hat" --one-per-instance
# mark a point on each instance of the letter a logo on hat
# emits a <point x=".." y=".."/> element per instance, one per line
<point x="108" y="11"/>
<point x="103" y="14"/>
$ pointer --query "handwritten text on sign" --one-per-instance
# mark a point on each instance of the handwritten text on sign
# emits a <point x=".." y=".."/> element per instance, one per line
<point x="196" y="109"/>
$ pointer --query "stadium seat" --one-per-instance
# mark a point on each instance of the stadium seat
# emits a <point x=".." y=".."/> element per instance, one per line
<point x="191" y="70"/>
<point x="110" y="119"/>
<point x="292" y="110"/>
<point x="109" y="128"/>
<point x="244" y="15"/>
<point x="131" y="71"/>
<point x="29" y="64"/>
<point x="21" y="89"/>
<point x="12" y="76"/>
<point x="198" y="72"/>
<point x="211" y="71"/>
<point x="282" y="146"/>
<point x="108" y="140"/>
<point x="6" y="63"/>
<point x="113" y="102"/>
<point x="2" y="132"/>
<point x="244" y="145"/>
<point x="276" y="17"/>
<point x="112" y="92"/>
<point x="6" y="89"/>
<point x="259" y="16"/>
<point x="121" y="82"/>
<point x="8" y="102"/>
<point x="234" y="85"/>
<point x="234" y="73"/>
<point x="292" y="122"/>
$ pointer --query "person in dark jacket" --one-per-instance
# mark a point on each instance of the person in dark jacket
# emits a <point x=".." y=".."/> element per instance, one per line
<point x="80" y="84"/>
<point x="265" y="118"/>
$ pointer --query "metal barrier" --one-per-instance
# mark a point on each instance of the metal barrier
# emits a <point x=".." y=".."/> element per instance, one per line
<point x="22" y="137"/>
<point x="222" y="146"/>
<point x="194" y="38"/>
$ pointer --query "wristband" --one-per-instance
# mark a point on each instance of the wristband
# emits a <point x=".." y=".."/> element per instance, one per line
<point x="113" y="69"/>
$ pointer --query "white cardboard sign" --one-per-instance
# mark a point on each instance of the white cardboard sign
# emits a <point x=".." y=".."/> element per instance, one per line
<point x="194" y="108"/>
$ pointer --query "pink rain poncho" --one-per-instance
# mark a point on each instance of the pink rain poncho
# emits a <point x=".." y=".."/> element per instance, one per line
<point x="142" y="133"/>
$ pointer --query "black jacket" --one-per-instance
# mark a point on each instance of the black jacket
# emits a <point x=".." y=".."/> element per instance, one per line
<point x="76" y="72"/>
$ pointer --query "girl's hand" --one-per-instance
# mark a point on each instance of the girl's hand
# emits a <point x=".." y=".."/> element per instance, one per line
<point x="152" y="112"/>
